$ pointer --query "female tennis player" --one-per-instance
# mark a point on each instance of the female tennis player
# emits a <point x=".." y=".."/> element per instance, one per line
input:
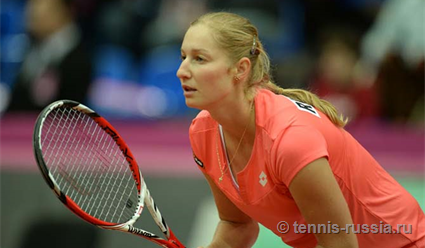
<point x="281" y="157"/>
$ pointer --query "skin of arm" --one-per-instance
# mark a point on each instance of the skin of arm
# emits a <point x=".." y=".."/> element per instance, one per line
<point x="235" y="228"/>
<point x="320" y="200"/>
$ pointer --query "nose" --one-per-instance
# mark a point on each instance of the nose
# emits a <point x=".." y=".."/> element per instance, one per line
<point x="183" y="71"/>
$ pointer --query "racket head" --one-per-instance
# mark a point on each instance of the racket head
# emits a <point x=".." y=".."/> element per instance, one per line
<point x="88" y="165"/>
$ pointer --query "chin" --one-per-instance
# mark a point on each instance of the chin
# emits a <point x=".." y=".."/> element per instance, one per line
<point x="193" y="104"/>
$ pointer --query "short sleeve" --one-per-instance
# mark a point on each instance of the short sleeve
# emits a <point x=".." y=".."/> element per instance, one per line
<point x="193" y="144"/>
<point x="200" y="139"/>
<point x="194" y="130"/>
<point x="295" y="148"/>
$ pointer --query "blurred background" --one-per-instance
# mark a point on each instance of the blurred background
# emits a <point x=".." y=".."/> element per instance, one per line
<point x="120" y="58"/>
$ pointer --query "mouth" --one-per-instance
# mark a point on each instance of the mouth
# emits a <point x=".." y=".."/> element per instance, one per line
<point x="188" y="89"/>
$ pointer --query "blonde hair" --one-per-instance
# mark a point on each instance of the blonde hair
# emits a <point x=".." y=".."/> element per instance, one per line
<point x="239" y="38"/>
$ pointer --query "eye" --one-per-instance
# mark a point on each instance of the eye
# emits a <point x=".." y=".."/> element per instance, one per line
<point x="199" y="59"/>
<point x="182" y="57"/>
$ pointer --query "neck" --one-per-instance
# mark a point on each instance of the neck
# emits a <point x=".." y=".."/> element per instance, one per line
<point x="237" y="121"/>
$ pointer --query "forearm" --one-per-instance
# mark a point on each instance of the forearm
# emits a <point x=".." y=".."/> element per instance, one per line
<point x="339" y="241"/>
<point x="232" y="235"/>
<point x="321" y="246"/>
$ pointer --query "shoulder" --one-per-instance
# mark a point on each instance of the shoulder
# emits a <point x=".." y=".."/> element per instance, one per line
<point x="201" y="137"/>
<point x="269" y="111"/>
<point x="276" y="113"/>
<point x="201" y="123"/>
<point x="201" y="130"/>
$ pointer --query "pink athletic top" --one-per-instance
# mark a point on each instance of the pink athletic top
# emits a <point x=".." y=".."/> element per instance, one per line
<point x="290" y="135"/>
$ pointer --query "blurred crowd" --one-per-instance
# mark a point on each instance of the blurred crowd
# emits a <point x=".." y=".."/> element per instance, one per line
<point x="120" y="56"/>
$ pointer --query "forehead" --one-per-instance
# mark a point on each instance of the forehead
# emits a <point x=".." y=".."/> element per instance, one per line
<point x="199" y="37"/>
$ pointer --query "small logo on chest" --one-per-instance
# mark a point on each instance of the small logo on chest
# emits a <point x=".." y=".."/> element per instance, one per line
<point x="263" y="179"/>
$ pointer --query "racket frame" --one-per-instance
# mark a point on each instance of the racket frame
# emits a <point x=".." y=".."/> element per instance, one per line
<point x="144" y="196"/>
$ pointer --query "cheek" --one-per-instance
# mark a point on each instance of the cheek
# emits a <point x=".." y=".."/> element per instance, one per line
<point x="214" y="77"/>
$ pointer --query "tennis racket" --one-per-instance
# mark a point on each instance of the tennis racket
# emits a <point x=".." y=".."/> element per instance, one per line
<point x="93" y="172"/>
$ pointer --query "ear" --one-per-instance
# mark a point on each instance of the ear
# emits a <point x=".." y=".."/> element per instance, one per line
<point x="243" y="68"/>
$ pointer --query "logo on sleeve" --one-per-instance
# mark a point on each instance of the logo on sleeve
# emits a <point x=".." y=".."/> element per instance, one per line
<point x="305" y="107"/>
<point x="199" y="162"/>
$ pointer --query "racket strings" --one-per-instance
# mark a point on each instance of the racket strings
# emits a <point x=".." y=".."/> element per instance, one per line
<point x="88" y="166"/>
<point x="101" y="196"/>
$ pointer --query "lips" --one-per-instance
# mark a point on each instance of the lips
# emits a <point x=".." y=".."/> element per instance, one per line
<point x="188" y="88"/>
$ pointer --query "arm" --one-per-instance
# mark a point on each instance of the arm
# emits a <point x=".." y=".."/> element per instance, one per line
<point x="320" y="200"/>
<point x="235" y="229"/>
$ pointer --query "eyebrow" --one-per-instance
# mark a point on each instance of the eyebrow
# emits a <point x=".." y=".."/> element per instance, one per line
<point x="196" y="50"/>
